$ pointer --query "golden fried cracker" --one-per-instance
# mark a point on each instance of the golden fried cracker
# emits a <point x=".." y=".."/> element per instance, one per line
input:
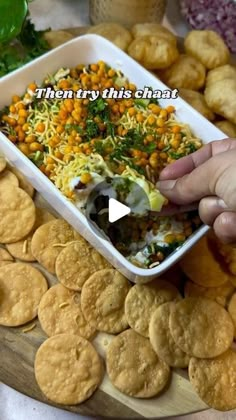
<point x="68" y="369"/>
<point x="60" y="312"/>
<point x="21" y="289"/>
<point x="17" y="214"/>
<point x="143" y="299"/>
<point x="3" y="263"/>
<point x="3" y="163"/>
<point x="47" y="240"/>
<point x="201" y="327"/>
<point x="77" y="262"/>
<point x="23" y="181"/>
<point x="134" y="368"/>
<point x="202" y="267"/>
<point x="232" y="311"/>
<point x="215" y="380"/>
<point x="103" y="300"/>
<point x="7" y="178"/>
<point x="219" y="294"/>
<point x="162" y="340"/>
<point x="22" y="249"/>
<point x="5" y="256"/>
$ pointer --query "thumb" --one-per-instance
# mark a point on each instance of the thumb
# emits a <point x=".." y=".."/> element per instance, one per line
<point x="214" y="177"/>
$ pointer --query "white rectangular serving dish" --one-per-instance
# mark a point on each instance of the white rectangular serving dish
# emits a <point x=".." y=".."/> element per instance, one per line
<point x="90" y="49"/>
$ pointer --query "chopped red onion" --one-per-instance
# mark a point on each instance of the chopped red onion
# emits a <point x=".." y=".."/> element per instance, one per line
<point x="217" y="15"/>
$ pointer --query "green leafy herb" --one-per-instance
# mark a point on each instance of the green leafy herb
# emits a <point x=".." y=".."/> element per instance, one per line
<point x="97" y="107"/>
<point x="175" y="155"/>
<point x="149" y="148"/>
<point x="192" y="147"/>
<point x="142" y="103"/>
<point x="77" y="128"/>
<point x="110" y="129"/>
<point x="92" y="129"/>
<point x="99" y="147"/>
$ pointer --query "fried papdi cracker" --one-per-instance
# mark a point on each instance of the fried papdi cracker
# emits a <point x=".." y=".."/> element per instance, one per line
<point x="201" y="327"/>
<point x="77" y="262"/>
<point x="232" y="311"/>
<point x="60" y="312"/>
<point x="219" y="294"/>
<point x="68" y="369"/>
<point x="7" y="178"/>
<point x="4" y="255"/>
<point x="46" y="241"/>
<point x="162" y="340"/>
<point x="143" y="299"/>
<point x="17" y="214"/>
<point x="228" y="252"/>
<point x="3" y="164"/>
<point x="201" y="266"/>
<point x="134" y="368"/>
<point x="103" y="301"/>
<point x="3" y="263"/>
<point x="22" y="249"/>
<point x="215" y="380"/>
<point x="23" y="182"/>
<point x="21" y="289"/>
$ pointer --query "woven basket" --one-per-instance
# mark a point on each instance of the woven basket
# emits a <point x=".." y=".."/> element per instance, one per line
<point x="127" y="12"/>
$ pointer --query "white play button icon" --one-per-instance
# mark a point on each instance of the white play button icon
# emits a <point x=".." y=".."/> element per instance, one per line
<point x="116" y="210"/>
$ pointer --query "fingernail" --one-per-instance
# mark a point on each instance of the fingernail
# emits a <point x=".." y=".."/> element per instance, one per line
<point x="222" y="204"/>
<point x="166" y="185"/>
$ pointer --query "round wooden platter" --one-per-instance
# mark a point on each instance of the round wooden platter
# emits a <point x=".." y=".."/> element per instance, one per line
<point x="17" y="353"/>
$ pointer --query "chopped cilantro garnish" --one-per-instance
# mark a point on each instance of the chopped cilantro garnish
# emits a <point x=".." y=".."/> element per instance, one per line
<point x="92" y="129"/>
<point x="69" y="127"/>
<point x="99" y="147"/>
<point x="192" y="147"/>
<point x="97" y="107"/>
<point x="175" y="155"/>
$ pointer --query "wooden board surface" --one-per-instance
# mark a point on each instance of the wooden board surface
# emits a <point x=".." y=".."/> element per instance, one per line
<point x="17" y="353"/>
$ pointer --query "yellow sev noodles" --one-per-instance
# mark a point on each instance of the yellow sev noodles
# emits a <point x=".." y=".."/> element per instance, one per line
<point x="56" y="125"/>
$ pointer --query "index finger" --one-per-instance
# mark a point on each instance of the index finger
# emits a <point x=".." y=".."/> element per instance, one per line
<point x="188" y="163"/>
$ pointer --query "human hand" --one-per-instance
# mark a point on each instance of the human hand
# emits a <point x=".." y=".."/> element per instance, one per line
<point x="207" y="179"/>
